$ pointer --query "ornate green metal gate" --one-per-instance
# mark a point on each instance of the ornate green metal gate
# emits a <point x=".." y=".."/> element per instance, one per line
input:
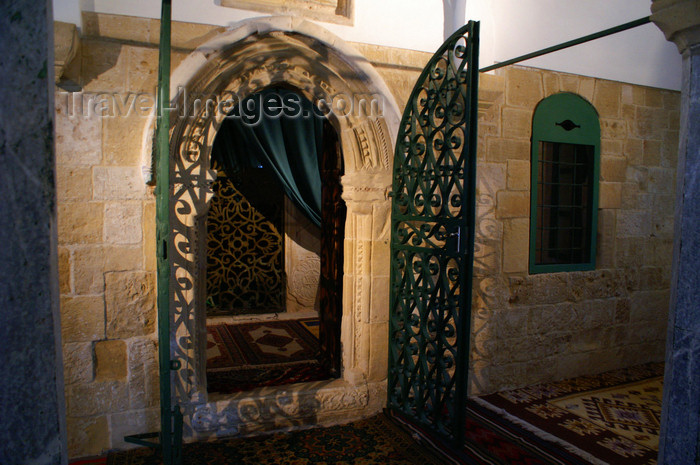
<point x="432" y="241"/>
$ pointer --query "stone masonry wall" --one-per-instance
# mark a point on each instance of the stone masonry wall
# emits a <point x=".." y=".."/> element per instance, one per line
<point x="526" y="328"/>
<point x="106" y="217"/>
<point x="537" y="328"/>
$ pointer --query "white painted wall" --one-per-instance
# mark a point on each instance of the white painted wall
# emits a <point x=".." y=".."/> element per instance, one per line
<point x="642" y="55"/>
<point x="508" y="28"/>
<point x="411" y="24"/>
<point x="67" y="11"/>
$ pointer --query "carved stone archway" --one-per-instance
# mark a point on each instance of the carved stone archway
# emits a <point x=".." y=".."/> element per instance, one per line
<point x="290" y="52"/>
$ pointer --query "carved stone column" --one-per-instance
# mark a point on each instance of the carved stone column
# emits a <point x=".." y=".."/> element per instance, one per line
<point x="679" y="443"/>
<point x="366" y="276"/>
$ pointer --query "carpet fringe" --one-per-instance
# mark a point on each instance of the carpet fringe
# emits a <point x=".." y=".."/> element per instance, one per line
<point x="538" y="432"/>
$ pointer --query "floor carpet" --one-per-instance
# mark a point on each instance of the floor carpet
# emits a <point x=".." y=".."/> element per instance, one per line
<point x="374" y="441"/>
<point x="489" y="440"/>
<point x="612" y="418"/>
<point x="547" y="424"/>
<point x="244" y="356"/>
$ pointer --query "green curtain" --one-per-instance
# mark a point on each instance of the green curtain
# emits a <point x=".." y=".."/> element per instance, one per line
<point x="257" y="134"/>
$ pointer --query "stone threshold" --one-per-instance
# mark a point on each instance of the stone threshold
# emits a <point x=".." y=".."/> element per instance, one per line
<point x="255" y="318"/>
<point x="284" y="408"/>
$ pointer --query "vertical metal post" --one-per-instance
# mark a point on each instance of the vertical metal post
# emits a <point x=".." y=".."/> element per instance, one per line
<point x="465" y="314"/>
<point x="167" y="437"/>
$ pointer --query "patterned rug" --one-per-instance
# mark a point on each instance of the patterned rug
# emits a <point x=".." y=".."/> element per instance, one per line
<point x="612" y="418"/>
<point x="244" y="356"/>
<point x="505" y="444"/>
<point x="583" y="421"/>
<point x="491" y="441"/>
<point x="374" y="441"/>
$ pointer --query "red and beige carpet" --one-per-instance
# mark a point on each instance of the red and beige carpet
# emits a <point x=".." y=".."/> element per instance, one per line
<point x="374" y="441"/>
<point x="612" y="418"/>
<point x="244" y="356"/>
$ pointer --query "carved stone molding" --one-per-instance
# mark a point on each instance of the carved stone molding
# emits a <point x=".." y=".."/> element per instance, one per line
<point x="679" y="20"/>
<point x="366" y="187"/>
<point x="321" y="403"/>
<point x="332" y="11"/>
<point x="303" y="281"/>
<point x="66" y="43"/>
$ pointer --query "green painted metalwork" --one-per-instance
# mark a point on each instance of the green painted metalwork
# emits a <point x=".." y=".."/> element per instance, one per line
<point x="565" y="119"/>
<point x="171" y="419"/>
<point x="143" y="439"/>
<point x="432" y="241"/>
<point x="170" y="435"/>
<point x="570" y="43"/>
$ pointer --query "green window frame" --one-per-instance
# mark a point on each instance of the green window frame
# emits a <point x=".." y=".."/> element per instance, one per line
<point x="565" y="169"/>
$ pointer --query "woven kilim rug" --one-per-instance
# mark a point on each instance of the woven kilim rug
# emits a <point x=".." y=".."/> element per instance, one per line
<point x="612" y="418"/>
<point x="377" y="440"/>
<point x="374" y="441"/>
<point x="244" y="356"/>
<point x="491" y="441"/>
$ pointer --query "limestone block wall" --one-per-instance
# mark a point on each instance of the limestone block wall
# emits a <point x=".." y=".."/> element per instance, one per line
<point x="106" y="256"/>
<point x="526" y="328"/>
<point x="536" y="328"/>
<point x="106" y="221"/>
<point x="106" y="216"/>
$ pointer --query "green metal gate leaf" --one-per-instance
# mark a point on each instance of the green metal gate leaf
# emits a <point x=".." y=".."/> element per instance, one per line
<point x="432" y="241"/>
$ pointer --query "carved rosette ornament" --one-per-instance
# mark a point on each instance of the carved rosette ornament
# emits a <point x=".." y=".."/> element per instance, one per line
<point x="303" y="282"/>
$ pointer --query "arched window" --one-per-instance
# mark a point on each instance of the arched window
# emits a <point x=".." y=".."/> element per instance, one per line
<point x="564" y="195"/>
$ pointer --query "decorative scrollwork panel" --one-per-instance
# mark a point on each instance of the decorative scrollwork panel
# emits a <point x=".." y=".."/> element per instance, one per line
<point x="432" y="241"/>
<point x="245" y="259"/>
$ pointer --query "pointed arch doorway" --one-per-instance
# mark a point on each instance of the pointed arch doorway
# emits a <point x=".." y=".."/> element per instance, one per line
<point x="255" y="55"/>
<point x="275" y="232"/>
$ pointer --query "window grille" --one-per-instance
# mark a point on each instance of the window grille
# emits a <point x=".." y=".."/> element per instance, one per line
<point x="564" y="198"/>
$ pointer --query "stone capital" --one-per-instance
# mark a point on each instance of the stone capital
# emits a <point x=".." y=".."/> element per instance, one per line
<point x="679" y="20"/>
<point x="366" y="187"/>
<point x="66" y="43"/>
